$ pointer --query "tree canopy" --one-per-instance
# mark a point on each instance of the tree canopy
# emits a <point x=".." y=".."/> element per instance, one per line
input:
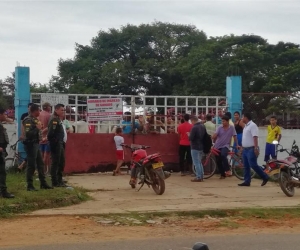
<point x="176" y="59"/>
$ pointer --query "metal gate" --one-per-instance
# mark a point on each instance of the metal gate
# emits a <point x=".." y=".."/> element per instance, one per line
<point x="166" y="109"/>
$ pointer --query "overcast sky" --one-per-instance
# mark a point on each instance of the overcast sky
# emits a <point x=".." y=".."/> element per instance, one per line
<point x="38" y="33"/>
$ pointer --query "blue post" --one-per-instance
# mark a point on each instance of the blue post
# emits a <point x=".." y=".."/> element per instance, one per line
<point x="22" y="98"/>
<point x="234" y="94"/>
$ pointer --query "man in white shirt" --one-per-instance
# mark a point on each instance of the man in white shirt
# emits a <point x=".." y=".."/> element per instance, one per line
<point x="251" y="151"/>
<point x="66" y="127"/>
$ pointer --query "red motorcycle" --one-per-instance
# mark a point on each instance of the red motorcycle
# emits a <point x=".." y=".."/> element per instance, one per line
<point x="148" y="169"/>
<point x="288" y="169"/>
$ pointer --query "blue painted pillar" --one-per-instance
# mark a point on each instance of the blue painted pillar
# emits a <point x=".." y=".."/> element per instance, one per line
<point x="234" y="94"/>
<point x="22" y="98"/>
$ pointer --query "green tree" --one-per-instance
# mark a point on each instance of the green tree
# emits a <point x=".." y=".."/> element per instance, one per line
<point x="265" y="68"/>
<point x="7" y="90"/>
<point x="130" y="60"/>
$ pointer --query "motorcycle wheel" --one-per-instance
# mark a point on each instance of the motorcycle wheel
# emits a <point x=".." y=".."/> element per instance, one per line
<point x="158" y="183"/>
<point x="284" y="182"/>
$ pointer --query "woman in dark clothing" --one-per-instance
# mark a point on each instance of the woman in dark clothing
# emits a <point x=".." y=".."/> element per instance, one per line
<point x="239" y="126"/>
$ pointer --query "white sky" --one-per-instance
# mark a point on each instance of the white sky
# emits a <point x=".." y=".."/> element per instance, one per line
<point x="38" y="33"/>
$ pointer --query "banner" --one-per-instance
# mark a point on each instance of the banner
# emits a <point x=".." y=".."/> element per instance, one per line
<point x="105" y="109"/>
<point x="54" y="99"/>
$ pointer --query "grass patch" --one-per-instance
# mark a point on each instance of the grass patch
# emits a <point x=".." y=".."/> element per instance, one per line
<point x="25" y="201"/>
<point x="229" y="224"/>
<point x="228" y="215"/>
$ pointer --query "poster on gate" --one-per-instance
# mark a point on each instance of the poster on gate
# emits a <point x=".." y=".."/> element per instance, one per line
<point x="54" y="99"/>
<point x="105" y="109"/>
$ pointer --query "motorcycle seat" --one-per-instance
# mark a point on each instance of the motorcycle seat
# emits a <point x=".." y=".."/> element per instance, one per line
<point x="289" y="160"/>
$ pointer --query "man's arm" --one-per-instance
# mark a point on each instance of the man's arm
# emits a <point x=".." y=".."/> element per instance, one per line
<point x="279" y="134"/>
<point x="236" y="141"/>
<point x="8" y="120"/>
<point x="139" y="126"/>
<point x="192" y="134"/>
<point x="51" y="129"/>
<point x="234" y="135"/>
<point x="254" y="133"/>
<point x="215" y="135"/>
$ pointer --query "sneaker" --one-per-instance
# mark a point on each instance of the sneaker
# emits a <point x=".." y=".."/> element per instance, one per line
<point x="6" y="195"/>
<point x="196" y="180"/>
<point x="132" y="181"/>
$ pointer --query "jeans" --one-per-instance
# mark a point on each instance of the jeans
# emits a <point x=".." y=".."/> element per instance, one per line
<point x="197" y="160"/>
<point x="222" y="161"/>
<point x="184" y="152"/>
<point x="250" y="161"/>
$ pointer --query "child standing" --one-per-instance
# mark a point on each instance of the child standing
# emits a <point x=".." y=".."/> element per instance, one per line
<point x="274" y="134"/>
<point x="119" y="140"/>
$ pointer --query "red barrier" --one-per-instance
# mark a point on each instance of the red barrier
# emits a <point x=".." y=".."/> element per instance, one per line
<point x="96" y="152"/>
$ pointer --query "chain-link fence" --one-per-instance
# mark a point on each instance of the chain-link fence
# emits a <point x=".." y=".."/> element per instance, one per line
<point x="285" y="106"/>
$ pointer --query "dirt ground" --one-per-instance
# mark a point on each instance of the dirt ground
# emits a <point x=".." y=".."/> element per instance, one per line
<point x="28" y="231"/>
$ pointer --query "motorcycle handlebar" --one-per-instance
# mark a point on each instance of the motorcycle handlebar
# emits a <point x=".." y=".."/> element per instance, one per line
<point x="282" y="149"/>
<point x="135" y="147"/>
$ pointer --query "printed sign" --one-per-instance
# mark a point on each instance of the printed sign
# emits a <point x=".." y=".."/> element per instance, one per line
<point x="105" y="109"/>
<point x="54" y="99"/>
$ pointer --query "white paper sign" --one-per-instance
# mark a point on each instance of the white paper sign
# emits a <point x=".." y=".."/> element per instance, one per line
<point x="54" y="99"/>
<point x="105" y="109"/>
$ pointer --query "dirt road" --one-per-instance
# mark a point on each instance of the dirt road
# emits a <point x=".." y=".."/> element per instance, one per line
<point x="30" y="231"/>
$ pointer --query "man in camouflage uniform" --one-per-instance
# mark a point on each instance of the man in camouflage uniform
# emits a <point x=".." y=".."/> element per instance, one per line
<point x="3" y="144"/>
<point x="56" y="140"/>
<point x="32" y="132"/>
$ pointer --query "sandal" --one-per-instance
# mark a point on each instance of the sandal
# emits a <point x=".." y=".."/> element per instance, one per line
<point x="228" y="174"/>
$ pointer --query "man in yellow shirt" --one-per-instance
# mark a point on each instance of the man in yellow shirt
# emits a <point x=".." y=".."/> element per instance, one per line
<point x="274" y="134"/>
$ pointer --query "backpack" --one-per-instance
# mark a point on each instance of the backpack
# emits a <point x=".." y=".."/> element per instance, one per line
<point x="207" y="142"/>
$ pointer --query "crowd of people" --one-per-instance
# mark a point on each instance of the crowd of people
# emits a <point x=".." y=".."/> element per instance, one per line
<point x="151" y="123"/>
<point x="43" y="135"/>
<point x="241" y="134"/>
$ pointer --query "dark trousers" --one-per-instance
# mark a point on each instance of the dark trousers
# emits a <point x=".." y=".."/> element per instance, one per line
<point x="34" y="161"/>
<point x="2" y="173"/>
<point x="64" y="159"/>
<point x="58" y="162"/>
<point x="184" y="153"/>
<point x="222" y="161"/>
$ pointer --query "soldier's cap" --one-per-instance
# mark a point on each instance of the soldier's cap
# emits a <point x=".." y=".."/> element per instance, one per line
<point x="46" y="104"/>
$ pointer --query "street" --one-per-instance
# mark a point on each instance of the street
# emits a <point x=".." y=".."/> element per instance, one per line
<point x="237" y="242"/>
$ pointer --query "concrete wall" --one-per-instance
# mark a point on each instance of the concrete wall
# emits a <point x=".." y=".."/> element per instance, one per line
<point x="288" y="136"/>
<point x="96" y="152"/>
